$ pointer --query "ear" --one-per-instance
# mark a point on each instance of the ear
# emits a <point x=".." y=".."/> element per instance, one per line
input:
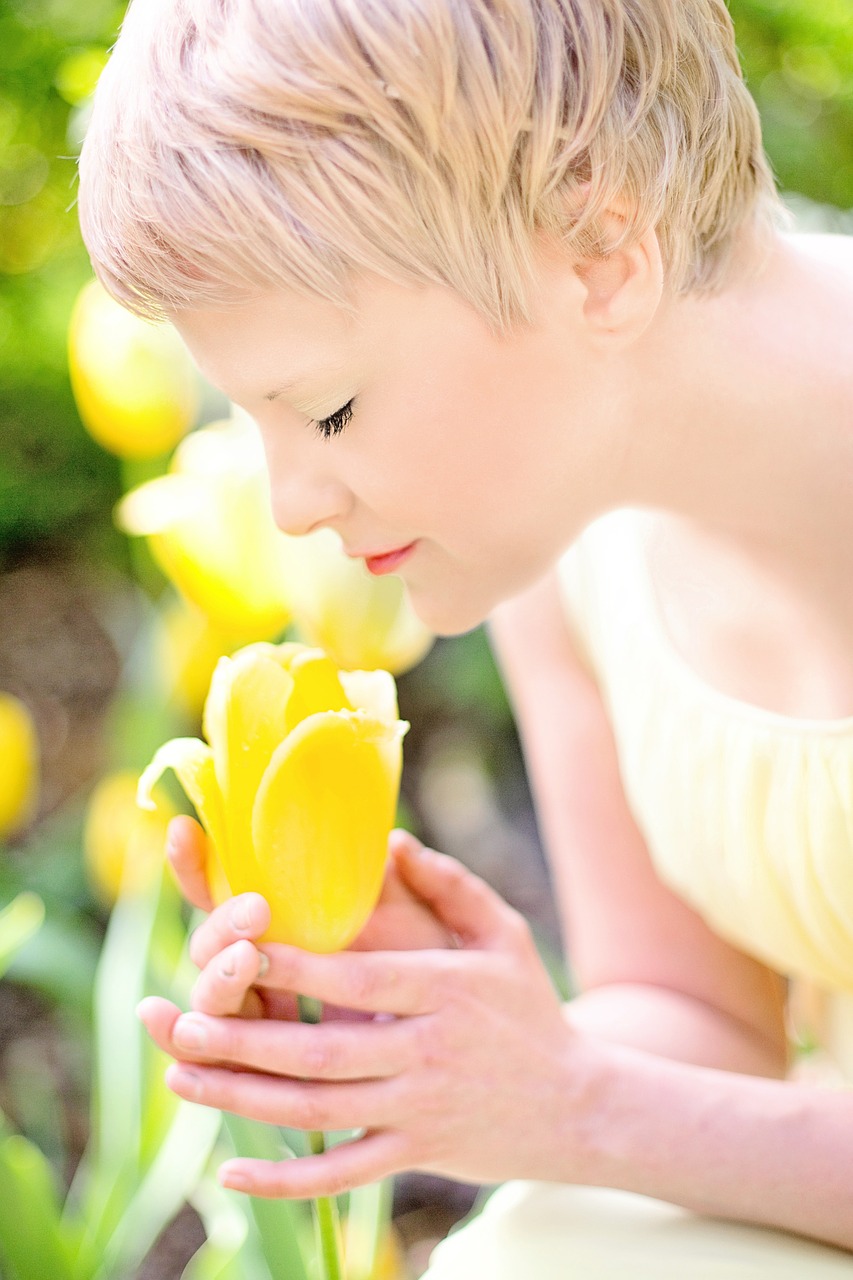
<point x="623" y="290"/>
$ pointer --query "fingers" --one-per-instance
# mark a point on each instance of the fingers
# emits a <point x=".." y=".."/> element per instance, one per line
<point x="399" y="841"/>
<point x="186" y="851"/>
<point x="398" y="982"/>
<point x="287" y="1103"/>
<point x="246" y="916"/>
<point x="159" y="1016"/>
<point x="348" y="1165"/>
<point x="463" y="902"/>
<point x="326" y="1051"/>
<point x="224" y="986"/>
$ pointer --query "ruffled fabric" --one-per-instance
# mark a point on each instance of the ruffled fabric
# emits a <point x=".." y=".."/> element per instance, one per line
<point x="747" y="814"/>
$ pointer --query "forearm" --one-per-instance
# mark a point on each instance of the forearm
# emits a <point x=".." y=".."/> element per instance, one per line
<point x="723" y="1144"/>
<point x="674" y="1025"/>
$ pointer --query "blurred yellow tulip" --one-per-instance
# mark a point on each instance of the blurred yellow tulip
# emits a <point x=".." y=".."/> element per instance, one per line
<point x="359" y="620"/>
<point x="210" y="527"/>
<point x="19" y="765"/>
<point x="297" y="788"/>
<point x="187" y="649"/>
<point x="136" y="388"/>
<point x="122" y="845"/>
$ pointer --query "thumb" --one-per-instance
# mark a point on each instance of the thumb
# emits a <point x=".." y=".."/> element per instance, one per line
<point x="463" y="902"/>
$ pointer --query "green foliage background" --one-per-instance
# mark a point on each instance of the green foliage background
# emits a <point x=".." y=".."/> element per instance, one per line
<point x="56" y="486"/>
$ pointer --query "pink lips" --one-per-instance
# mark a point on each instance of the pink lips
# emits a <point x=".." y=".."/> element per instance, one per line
<point x="388" y="561"/>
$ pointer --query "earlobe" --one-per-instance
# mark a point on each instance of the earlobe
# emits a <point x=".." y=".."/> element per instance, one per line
<point x="623" y="289"/>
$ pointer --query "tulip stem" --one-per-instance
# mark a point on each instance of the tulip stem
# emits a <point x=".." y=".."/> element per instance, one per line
<point x="326" y="1217"/>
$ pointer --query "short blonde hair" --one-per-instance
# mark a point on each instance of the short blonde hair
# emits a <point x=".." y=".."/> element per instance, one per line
<point x="238" y="144"/>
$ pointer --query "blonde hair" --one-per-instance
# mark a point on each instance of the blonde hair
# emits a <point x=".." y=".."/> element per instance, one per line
<point x="245" y="144"/>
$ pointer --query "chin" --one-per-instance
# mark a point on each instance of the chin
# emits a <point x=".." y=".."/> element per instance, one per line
<point x="447" y="616"/>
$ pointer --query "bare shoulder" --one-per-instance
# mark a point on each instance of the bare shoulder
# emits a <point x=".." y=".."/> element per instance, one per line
<point x="834" y="249"/>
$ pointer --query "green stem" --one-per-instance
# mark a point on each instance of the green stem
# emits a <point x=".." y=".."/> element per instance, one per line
<point x="326" y="1218"/>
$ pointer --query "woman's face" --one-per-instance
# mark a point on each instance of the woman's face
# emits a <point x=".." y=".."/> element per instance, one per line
<point x="478" y="453"/>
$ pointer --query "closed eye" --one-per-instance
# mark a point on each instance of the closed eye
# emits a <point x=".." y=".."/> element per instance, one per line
<point x="335" y="423"/>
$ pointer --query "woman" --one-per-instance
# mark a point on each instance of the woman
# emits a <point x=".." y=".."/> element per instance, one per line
<point x="506" y="288"/>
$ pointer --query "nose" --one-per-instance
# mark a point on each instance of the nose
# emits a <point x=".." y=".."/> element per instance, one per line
<point x="302" y="504"/>
<point x="305" y="492"/>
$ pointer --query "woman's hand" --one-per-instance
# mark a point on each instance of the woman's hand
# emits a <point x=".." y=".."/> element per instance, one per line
<point x="467" y="1067"/>
<point x="400" y="922"/>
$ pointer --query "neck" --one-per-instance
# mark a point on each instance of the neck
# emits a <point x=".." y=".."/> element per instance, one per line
<point x="737" y="408"/>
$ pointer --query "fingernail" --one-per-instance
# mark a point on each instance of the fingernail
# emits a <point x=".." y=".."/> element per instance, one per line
<point x="241" y="915"/>
<point x="227" y="966"/>
<point x="263" y="964"/>
<point x="189" y="1034"/>
<point x="233" y="1179"/>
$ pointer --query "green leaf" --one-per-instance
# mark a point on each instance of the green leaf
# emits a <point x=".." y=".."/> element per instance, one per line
<point x="282" y="1224"/>
<point x="232" y="1250"/>
<point x="32" y="1239"/>
<point x="128" y="1101"/>
<point x="169" y="1182"/>
<point x="19" y="921"/>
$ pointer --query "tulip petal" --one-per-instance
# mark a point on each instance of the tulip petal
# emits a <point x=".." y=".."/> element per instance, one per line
<point x="317" y="687"/>
<point x="372" y="691"/>
<point x="375" y="693"/>
<point x="244" y="720"/>
<point x="192" y="761"/>
<point x="320" y="824"/>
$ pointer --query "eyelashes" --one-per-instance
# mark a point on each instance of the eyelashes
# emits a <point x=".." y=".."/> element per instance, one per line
<point x="335" y="423"/>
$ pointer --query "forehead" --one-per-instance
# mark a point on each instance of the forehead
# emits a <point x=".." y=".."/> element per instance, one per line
<point x="280" y="338"/>
<point x="269" y="343"/>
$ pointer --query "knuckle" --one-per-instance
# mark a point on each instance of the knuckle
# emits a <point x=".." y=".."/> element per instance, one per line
<point x="319" y="1057"/>
<point x="309" y="1112"/>
<point x="431" y="1043"/>
<point x="362" y="983"/>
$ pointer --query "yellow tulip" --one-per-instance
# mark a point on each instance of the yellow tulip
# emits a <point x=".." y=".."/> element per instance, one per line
<point x="296" y="787"/>
<point x="210" y="527"/>
<point x="19" y="765"/>
<point x="187" y="649"/>
<point x="136" y="388"/>
<point x="359" y="620"/>
<point x="122" y="846"/>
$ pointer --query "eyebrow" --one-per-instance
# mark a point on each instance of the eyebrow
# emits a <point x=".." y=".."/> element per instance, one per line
<point x="283" y="389"/>
<point x="306" y="378"/>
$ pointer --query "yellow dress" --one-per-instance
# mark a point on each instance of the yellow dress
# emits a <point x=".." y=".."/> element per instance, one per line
<point x="748" y="816"/>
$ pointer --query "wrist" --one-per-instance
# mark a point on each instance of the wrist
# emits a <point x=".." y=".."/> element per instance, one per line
<point x="602" y="1109"/>
<point x="584" y="1139"/>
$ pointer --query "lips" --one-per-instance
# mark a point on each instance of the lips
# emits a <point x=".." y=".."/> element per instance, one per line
<point x="388" y="561"/>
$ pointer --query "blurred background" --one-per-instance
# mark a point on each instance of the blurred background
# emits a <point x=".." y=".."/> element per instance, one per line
<point x="105" y="651"/>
